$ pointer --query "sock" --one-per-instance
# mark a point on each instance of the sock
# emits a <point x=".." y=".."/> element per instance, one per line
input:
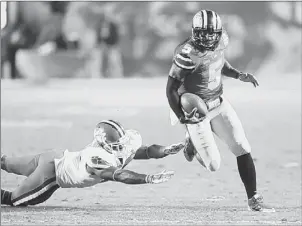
<point x="247" y="173"/>
<point x="6" y="197"/>
<point x="3" y="162"/>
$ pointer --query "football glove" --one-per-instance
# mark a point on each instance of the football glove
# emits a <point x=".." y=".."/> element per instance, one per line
<point x="158" y="178"/>
<point x="191" y="118"/>
<point x="246" y="77"/>
<point x="174" y="148"/>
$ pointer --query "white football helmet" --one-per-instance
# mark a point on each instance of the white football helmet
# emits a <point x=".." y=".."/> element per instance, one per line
<point x="206" y="29"/>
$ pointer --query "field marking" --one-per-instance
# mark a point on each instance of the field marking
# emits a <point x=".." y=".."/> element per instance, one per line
<point x="36" y="123"/>
<point x="86" y="110"/>
<point x="215" y="198"/>
<point x="174" y="222"/>
<point x="205" y="222"/>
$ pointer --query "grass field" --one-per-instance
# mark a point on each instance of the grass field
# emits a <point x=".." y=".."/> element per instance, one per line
<point x="62" y="114"/>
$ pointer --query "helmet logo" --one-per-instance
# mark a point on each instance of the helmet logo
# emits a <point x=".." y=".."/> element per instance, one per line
<point x="100" y="135"/>
<point x="197" y="20"/>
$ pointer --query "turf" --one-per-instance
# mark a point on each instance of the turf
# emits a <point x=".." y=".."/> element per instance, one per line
<point x="62" y="114"/>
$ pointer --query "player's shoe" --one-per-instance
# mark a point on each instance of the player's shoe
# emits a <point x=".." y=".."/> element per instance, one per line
<point x="6" y="197"/>
<point x="189" y="150"/>
<point x="256" y="204"/>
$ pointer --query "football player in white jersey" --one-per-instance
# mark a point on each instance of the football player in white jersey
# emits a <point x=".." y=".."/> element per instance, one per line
<point x="196" y="78"/>
<point x="105" y="159"/>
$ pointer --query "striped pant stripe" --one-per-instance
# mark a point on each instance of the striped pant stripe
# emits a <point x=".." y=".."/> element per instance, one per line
<point x="37" y="195"/>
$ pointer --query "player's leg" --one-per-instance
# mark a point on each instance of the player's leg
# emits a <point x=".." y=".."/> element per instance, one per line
<point x="200" y="142"/>
<point x="23" y="165"/>
<point x="205" y="148"/>
<point x="38" y="186"/>
<point x="228" y="128"/>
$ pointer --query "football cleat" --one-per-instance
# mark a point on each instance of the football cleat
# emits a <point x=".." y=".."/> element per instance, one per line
<point x="256" y="204"/>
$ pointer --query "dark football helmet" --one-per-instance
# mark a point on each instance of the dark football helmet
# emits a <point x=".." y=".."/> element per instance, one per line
<point x="206" y="29"/>
<point x="111" y="136"/>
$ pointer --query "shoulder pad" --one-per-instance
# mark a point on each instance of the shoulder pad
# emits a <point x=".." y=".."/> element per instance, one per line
<point x="134" y="143"/>
<point x="187" y="48"/>
<point x="135" y="139"/>
<point x="183" y="60"/>
<point x="98" y="158"/>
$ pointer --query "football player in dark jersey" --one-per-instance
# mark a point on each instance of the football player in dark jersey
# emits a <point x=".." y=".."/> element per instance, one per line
<point x="198" y="66"/>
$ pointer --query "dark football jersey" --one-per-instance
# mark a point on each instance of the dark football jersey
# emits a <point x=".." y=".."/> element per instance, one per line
<point x="205" y="68"/>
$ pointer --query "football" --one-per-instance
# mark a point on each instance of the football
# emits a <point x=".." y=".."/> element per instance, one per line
<point x="189" y="101"/>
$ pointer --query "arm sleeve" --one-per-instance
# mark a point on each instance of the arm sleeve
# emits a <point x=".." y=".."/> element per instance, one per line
<point x="179" y="69"/>
<point x="184" y="61"/>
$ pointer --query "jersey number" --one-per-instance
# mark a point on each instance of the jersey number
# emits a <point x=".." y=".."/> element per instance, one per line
<point x="186" y="49"/>
<point x="215" y="73"/>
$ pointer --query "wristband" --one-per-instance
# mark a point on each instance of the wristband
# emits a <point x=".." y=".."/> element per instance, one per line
<point x="115" y="173"/>
<point x="240" y="75"/>
<point x="148" y="179"/>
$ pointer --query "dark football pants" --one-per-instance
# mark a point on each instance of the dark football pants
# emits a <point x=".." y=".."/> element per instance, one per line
<point x="40" y="183"/>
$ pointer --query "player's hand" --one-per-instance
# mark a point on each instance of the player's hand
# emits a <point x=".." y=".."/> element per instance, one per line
<point x="247" y="77"/>
<point x="158" y="178"/>
<point x="191" y="118"/>
<point x="174" y="148"/>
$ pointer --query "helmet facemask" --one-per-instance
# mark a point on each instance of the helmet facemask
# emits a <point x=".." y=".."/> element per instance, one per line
<point x="119" y="148"/>
<point x="114" y="139"/>
<point x="206" y="38"/>
<point x="111" y="147"/>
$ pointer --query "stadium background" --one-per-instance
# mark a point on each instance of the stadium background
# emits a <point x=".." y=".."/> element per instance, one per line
<point x="59" y="101"/>
<point x="263" y="35"/>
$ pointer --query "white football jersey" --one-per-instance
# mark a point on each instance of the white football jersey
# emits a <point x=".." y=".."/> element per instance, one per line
<point x="71" y="169"/>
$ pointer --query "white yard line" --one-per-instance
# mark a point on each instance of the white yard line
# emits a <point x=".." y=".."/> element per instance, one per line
<point x="40" y="123"/>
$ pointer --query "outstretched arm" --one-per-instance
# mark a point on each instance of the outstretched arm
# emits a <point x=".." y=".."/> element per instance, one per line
<point x="229" y="71"/>
<point x="130" y="177"/>
<point x="121" y="175"/>
<point x="156" y="151"/>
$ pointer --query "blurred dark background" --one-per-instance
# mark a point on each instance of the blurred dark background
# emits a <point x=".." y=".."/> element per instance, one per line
<point x="127" y="39"/>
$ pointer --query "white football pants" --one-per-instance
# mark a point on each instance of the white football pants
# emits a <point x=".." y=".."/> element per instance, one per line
<point x="224" y="122"/>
